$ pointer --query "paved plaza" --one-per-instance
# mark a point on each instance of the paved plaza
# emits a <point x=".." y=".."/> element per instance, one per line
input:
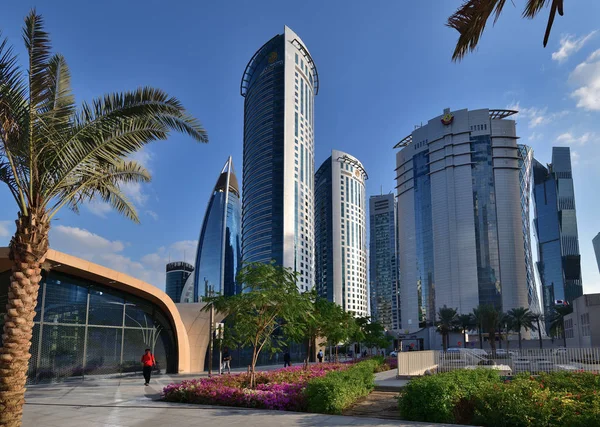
<point x="126" y="402"/>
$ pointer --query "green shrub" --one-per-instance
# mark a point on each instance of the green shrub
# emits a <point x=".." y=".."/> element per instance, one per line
<point x="338" y="390"/>
<point x="481" y="398"/>
<point x="436" y="398"/>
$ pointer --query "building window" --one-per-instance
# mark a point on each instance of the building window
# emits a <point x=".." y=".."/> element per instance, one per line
<point x="585" y="325"/>
<point x="296" y="123"/>
<point x="296" y="61"/>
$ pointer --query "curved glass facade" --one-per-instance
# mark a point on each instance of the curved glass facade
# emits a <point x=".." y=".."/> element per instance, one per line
<point x="525" y="179"/>
<point x="219" y="256"/>
<point x="177" y="275"/>
<point x="85" y="328"/>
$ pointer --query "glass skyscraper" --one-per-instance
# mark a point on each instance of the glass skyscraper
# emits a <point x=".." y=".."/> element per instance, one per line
<point x="555" y="223"/>
<point x="460" y="221"/>
<point x="177" y="275"/>
<point x="219" y="254"/>
<point x="525" y="180"/>
<point x="341" y="232"/>
<point x="383" y="261"/>
<point x="278" y="86"/>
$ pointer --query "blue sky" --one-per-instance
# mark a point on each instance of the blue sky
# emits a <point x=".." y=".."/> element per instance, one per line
<point x="384" y="66"/>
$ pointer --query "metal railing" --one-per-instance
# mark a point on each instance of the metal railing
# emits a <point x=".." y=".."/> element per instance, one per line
<point x="508" y="362"/>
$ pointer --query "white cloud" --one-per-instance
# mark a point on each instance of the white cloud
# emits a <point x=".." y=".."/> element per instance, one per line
<point x="587" y="77"/>
<point x="153" y="214"/>
<point x="4" y="229"/>
<point x="536" y="116"/>
<point x="110" y="253"/>
<point x="575" y="158"/>
<point x="569" y="45"/>
<point x="535" y="136"/>
<point x="98" y="208"/>
<point x="569" y="138"/>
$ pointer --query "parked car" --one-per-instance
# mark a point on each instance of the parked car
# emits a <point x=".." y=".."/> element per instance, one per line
<point x="393" y="353"/>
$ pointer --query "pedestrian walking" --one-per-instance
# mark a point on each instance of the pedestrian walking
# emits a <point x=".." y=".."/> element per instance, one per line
<point x="226" y="360"/>
<point x="320" y="356"/>
<point x="148" y="363"/>
<point x="287" y="359"/>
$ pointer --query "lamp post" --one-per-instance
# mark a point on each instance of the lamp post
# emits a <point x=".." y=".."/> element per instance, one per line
<point x="210" y="328"/>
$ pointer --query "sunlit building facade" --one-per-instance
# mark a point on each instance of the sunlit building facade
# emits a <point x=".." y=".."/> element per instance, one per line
<point x="460" y="226"/>
<point x="341" y="232"/>
<point x="383" y="261"/>
<point x="555" y="223"/>
<point x="279" y="86"/>
<point x="219" y="254"/>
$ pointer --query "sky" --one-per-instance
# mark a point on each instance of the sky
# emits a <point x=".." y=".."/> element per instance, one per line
<point x="384" y="67"/>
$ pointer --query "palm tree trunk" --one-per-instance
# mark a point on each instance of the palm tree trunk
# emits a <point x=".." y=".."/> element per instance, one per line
<point x="540" y="332"/>
<point x="464" y="338"/>
<point x="480" y="338"/>
<point x="520" y="345"/>
<point x="28" y="249"/>
<point x="564" y="333"/>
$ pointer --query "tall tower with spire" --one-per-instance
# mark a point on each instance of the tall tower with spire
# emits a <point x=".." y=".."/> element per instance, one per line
<point x="219" y="254"/>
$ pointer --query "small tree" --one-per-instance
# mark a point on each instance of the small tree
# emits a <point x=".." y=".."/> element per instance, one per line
<point x="478" y="321"/>
<point x="338" y="326"/>
<point x="465" y="322"/>
<point x="557" y="321"/>
<point x="447" y="318"/>
<point x="374" y="335"/>
<point x="268" y="308"/>
<point x="490" y="321"/>
<point x="537" y="318"/>
<point x="521" y="318"/>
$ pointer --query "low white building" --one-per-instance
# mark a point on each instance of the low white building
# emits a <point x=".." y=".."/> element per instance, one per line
<point x="582" y="327"/>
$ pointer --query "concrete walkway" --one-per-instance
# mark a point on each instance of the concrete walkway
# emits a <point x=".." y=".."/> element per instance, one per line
<point x="387" y="381"/>
<point x="126" y="402"/>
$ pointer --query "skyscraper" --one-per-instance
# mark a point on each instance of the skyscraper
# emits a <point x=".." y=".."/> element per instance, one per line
<point x="460" y="231"/>
<point x="219" y="254"/>
<point x="177" y="274"/>
<point x="383" y="261"/>
<point x="525" y="180"/>
<point x="279" y="85"/>
<point x="340" y="232"/>
<point x="559" y="262"/>
<point x="596" y="243"/>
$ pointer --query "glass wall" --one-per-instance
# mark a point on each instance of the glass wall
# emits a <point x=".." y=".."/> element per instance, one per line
<point x="83" y="328"/>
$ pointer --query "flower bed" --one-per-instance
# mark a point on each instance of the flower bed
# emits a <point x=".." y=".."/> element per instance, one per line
<point x="483" y="398"/>
<point x="282" y="389"/>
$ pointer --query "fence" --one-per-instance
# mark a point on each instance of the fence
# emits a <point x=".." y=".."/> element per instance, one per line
<point x="508" y="362"/>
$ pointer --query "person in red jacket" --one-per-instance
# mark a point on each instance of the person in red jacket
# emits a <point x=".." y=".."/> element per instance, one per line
<point x="148" y="364"/>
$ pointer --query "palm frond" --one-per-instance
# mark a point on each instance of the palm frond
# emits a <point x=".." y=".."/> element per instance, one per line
<point x="470" y="20"/>
<point x="37" y="42"/>
<point x="103" y="180"/>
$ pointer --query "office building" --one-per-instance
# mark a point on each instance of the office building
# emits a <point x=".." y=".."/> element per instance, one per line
<point x="582" y="327"/>
<point x="596" y="243"/>
<point x="219" y="254"/>
<point x="340" y="232"/>
<point x="460" y="231"/>
<point x="526" y="180"/>
<point x="279" y="85"/>
<point x="383" y="261"/>
<point x="555" y="223"/>
<point x="177" y="274"/>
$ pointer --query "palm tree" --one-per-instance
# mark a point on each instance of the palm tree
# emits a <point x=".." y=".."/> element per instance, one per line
<point x="470" y="20"/>
<point x="537" y="318"/>
<point x="557" y="321"/>
<point x="478" y="320"/>
<point x="521" y="318"/>
<point x="464" y="322"/>
<point x="490" y="321"/>
<point x="52" y="156"/>
<point x="447" y="318"/>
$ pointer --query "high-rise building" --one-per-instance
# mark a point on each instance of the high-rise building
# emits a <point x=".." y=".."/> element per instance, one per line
<point x="177" y="274"/>
<point x="383" y="261"/>
<point x="219" y="254"/>
<point x="341" y="233"/>
<point x="525" y="180"/>
<point x="555" y="223"/>
<point x="596" y="243"/>
<point x="279" y="85"/>
<point x="460" y="232"/>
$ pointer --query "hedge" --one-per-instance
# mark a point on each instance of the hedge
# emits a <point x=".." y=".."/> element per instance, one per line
<point x="481" y="398"/>
<point x="338" y="390"/>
